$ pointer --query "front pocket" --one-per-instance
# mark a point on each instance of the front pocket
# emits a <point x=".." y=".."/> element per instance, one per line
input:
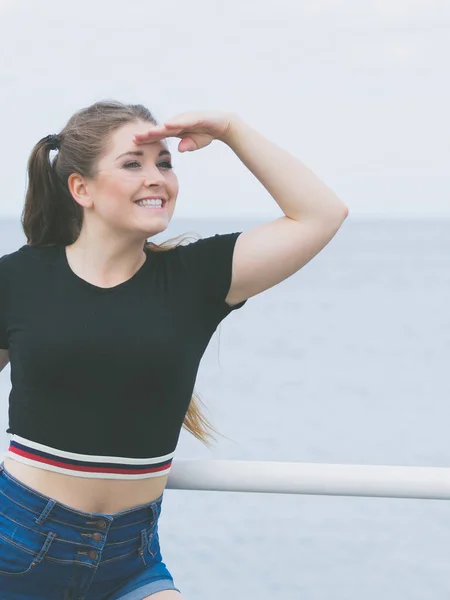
<point x="19" y="553"/>
<point x="149" y="548"/>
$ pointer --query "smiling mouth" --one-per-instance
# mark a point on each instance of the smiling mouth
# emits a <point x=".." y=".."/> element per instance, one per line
<point x="151" y="204"/>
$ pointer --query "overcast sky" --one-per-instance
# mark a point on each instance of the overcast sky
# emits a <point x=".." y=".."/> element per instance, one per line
<point x="357" y="90"/>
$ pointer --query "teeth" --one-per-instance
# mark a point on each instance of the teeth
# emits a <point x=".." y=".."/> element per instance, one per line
<point x="154" y="202"/>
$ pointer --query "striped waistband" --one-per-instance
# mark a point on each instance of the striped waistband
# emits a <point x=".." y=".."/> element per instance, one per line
<point x="86" y="465"/>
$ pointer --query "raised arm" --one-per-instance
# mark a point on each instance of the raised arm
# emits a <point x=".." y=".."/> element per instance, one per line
<point x="267" y="254"/>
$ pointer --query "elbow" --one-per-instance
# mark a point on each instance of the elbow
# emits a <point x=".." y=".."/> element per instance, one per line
<point x="338" y="212"/>
<point x="341" y="214"/>
<point x="343" y="210"/>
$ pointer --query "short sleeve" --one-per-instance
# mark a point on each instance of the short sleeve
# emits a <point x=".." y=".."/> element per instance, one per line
<point x="211" y="261"/>
<point x="3" y="293"/>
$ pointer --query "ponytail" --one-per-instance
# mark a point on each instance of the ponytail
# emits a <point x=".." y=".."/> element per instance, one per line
<point x="49" y="210"/>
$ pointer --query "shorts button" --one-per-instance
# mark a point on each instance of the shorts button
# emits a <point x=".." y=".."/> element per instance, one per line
<point x="101" y="524"/>
<point x="97" y="536"/>
<point x="93" y="554"/>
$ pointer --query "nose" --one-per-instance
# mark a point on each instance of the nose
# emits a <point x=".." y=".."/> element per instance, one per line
<point x="153" y="177"/>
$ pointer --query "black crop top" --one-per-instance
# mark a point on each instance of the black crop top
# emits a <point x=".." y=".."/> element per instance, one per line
<point x="102" y="377"/>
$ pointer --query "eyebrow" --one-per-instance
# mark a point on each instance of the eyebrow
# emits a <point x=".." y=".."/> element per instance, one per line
<point x="140" y="153"/>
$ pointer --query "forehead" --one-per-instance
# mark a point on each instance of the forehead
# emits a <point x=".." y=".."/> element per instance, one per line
<point x="122" y="139"/>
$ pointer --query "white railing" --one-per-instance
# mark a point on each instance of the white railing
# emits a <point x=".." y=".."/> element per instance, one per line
<point x="311" y="478"/>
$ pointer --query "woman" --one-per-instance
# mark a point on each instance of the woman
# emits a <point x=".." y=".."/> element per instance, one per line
<point x="105" y="332"/>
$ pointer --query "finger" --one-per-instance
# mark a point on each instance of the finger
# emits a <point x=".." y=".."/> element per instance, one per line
<point x="155" y="134"/>
<point x="147" y="140"/>
<point x="149" y="134"/>
<point x="153" y="130"/>
<point x="187" y="145"/>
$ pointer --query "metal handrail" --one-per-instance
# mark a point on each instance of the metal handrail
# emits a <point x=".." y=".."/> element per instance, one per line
<point x="429" y="483"/>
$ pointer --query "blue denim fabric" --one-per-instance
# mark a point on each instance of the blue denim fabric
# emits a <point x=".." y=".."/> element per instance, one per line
<point x="50" y="551"/>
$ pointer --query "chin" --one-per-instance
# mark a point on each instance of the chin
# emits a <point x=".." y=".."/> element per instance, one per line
<point x="154" y="230"/>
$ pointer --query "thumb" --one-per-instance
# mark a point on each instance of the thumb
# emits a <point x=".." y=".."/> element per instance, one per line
<point x="187" y="145"/>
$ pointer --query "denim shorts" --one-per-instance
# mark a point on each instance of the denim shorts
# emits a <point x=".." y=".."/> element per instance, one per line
<point x="50" y="551"/>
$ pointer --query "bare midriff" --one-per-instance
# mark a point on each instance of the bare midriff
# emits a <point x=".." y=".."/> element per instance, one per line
<point x="107" y="496"/>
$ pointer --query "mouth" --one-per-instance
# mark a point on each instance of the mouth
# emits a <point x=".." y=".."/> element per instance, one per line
<point x="151" y="203"/>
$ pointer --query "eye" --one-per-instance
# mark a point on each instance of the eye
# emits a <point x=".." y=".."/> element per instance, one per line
<point x="134" y="162"/>
<point x="167" y="165"/>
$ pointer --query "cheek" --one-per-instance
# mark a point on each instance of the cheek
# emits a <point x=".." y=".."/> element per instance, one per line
<point x="173" y="184"/>
<point x="123" y="183"/>
<point x="120" y="189"/>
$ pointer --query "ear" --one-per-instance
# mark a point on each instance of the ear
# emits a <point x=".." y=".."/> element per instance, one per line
<point x="79" y="190"/>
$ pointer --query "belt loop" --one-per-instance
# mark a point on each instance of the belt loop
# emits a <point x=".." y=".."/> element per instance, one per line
<point x="156" y="510"/>
<point x="44" y="514"/>
<point x="144" y="544"/>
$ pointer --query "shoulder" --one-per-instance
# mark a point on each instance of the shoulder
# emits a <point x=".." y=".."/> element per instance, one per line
<point x="26" y="256"/>
<point x="207" y="249"/>
<point x="205" y="259"/>
<point x="8" y="261"/>
<point x="216" y="240"/>
<point x="26" y="252"/>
